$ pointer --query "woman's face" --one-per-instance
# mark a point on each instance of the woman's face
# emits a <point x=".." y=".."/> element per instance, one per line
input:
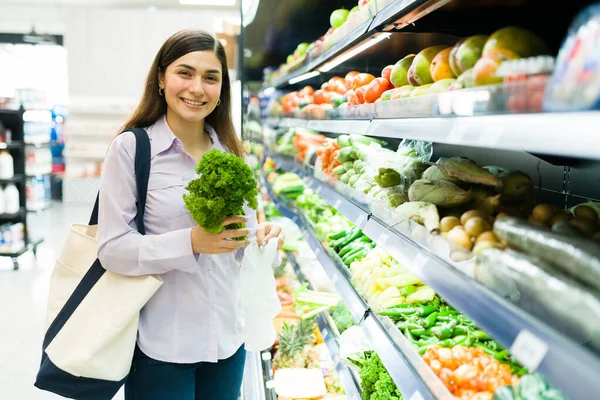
<point x="192" y="85"/>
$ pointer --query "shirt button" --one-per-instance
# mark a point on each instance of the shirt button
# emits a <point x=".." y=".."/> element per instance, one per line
<point x="213" y="306"/>
<point x="208" y="273"/>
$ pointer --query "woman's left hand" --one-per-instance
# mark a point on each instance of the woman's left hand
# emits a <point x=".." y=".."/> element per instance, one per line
<point x="267" y="231"/>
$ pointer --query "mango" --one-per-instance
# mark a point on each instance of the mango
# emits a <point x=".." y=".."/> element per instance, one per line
<point x="442" y="85"/>
<point x="401" y="90"/>
<point x="419" y="72"/>
<point x="484" y="71"/>
<point x="440" y="66"/>
<point x="452" y="58"/>
<point x="520" y="41"/>
<point x="399" y="76"/>
<point x="407" y="91"/>
<point x="420" y="91"/>
<point x="469" y="52"/>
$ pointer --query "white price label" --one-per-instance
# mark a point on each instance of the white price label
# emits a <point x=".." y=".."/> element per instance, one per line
<point x="490" y="136"/>
<point x="266" y="356"/>
<point x="529" y="350"/>
<point x="383" y="238"/>
<point x="270" y="384"/>
<point x="456" y="134"/>
<point x="416" y="396"/>
<point x="337" y="204"/>
<point x="359" y="220"/>
<point x="418" y="263"/>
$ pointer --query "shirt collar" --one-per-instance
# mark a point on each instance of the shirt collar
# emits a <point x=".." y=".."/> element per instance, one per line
<point x="162" y="137"/>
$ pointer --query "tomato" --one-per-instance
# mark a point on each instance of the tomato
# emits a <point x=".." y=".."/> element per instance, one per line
<point x="362" y="80"/>
<point x="375" y="89"/>
<point x="349" y="78"/>
<point x="352" y="101"/>
<point x="387" y="72"/>
<point x="360" y="94"/>
<point x="324" y="86"/>
<point x="332" y="85"/>
<point x="306" y="91"/>
<point x="322" y="97"/>
<point x="339" y="87"/>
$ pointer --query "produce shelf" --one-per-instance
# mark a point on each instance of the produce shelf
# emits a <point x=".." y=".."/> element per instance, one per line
<point x="568" y="365"/>
<point x="564" y="134"/>
<point x="404" y="12"/>
<point x="330" y="336"/>
<point x="253" y="385"/>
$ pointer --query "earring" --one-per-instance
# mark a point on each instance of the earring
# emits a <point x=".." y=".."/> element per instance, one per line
<point x="161" y="91"/>
<point x="218" y="102"/>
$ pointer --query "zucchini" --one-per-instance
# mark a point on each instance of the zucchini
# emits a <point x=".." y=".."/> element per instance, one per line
<point x="504" y="393"/>
<point x="339" y="170"/>
<point x="540" y="289"/>
<point x="343" y="140"/>
<point x="578" y="257"/>
<point x="347" y="154"/>
<point x="348" y="165"/>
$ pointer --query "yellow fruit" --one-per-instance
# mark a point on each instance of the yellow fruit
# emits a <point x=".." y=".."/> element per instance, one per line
<point x="447" y="223"/>
<point x="487" y="237"/>
<point x="475" y="226"/>
<point x="586" y="212"/>
<point x="585" y="225"/>
<point x="470" y="214"/>
<point x="543" y="213"/>
<point x="460" y="238"/>
<point x="440" y="66"/>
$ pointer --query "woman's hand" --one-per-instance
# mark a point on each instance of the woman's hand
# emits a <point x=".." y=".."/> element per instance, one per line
<point x="220" y="243"/>
<point x="267" y="231"/>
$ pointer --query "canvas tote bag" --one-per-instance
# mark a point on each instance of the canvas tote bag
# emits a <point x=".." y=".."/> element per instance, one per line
<point x="92" y="315"/>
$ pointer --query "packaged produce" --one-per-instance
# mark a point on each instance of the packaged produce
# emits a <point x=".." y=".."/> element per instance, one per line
<point x="542" y="290"/>
<point x="466" y="170"/>
<point x="421" y="212"/>
<point x="441" y="193"/>
<point x="578" y="257"/>
<point x="525" y="82"/>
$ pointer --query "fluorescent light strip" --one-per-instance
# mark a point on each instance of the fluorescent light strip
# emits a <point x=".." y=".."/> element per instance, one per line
<point x="303" y="77"/>
<point x="357" y="50"/>
<point x="222" y="3"/>
<point x="269" y="91"/>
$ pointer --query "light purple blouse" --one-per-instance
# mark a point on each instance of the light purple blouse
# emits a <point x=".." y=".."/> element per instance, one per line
<point x="196" y="314"/>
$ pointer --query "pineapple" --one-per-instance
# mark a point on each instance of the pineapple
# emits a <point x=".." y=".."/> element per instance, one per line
<point x="292" y="341"/>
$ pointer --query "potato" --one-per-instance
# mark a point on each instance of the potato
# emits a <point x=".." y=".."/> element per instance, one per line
<point x="586" y="212"/>
<point x="544" y="212"/>
<point x="586" y="226"/>
<point x="447" y="223"/>
<point x="470" y="214"/>
<point x="459" y="237"/>
<point x="485" y="244"/>
<point x="487" y="237"/>
<point x="475" y="226"/>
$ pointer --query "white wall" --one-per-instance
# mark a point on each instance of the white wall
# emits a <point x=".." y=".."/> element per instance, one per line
<point x="110" y="50"/>
<point x="21" y="18"/>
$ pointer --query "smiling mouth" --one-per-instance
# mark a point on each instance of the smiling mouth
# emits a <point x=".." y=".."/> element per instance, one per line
<point x="194" y="103"/>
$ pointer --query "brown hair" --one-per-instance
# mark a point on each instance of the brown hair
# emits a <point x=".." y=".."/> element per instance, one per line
<point x="153" y="106"/>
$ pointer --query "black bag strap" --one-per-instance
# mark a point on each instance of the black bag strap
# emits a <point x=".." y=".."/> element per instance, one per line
<point x="142" y="175"/>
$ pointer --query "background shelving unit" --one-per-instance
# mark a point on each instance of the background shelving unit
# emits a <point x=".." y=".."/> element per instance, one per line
<point x="13" y="120"/>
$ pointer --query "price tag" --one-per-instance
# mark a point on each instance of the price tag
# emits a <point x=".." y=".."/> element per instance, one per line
<point x="456" y="134"/>
<point x="418" y="263"/>
<point x="270" y="384"/>
<point x="383" y="238"/>
<point x="529" y="350"/>
<point x="359" y="220"/>
<point x="266" y="356"/>
<point x="337" y="204"/>
<point x="416" y="396"/>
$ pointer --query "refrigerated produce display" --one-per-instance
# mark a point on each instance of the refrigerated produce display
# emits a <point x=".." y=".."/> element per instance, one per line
<point x="435" y="170"/>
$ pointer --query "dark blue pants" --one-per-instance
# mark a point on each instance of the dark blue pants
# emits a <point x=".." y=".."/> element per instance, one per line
<point x="151" y="379"/>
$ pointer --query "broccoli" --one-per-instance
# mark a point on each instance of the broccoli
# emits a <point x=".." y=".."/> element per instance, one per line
<point x="342" y="317"/>
<point x="225" y="183"/>
<point x="376" y="382"/>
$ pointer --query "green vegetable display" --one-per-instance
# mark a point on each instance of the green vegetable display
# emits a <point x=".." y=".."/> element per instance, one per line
<point x="342" y="317"/>
<point x="226" y="182"/>
<point x="530" y="387"/>
<point x="376" y="382"/>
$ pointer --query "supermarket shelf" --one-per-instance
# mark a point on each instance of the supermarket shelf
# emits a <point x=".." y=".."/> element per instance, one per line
<point x="253" y="385"/>
<point x="330" y="336"/>
<point x="404" y="12"/>
<point x="40" y="208"/>
<point x="38" y="175"/>
<point x="266" y="364"/>
<point x="15" y="252"/>
<point x="18" y="214"/>
<point x="12" y="145"/>
<point x="566" y="364"/>
<point x="14" y="179"/>
<point x="564" y="134"/>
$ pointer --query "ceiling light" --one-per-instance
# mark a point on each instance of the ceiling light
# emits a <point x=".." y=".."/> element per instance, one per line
<point x="303" y="77"/>
<point x="357" y="50"/>
<point x="222" y="3"/>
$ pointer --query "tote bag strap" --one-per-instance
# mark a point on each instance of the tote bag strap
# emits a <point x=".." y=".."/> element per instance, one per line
<point x="142" y="175"/>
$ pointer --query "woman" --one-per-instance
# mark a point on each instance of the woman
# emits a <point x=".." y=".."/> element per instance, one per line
<point x="191" y="331"/>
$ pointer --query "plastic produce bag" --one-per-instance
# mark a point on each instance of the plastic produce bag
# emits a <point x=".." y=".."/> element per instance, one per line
<point x="416" y="149"/>
<point x="353" y="344"/>
<point x="389" y="168"/>
<point x="259" y="296"/>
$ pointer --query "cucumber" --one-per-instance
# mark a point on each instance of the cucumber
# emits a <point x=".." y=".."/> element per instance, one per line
<point x="343" y="140"/>
<point x="347" y="154"/>
<point x="578" y="257"/>
<point x="365" y="140"/>
<point x="350" y="173"/>
<point x="339" y="170"/>
<point x="504" y="393"/>
<point x="348" y="165"/>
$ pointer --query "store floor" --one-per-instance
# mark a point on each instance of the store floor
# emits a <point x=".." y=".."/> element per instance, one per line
<point x="23" y="296"/>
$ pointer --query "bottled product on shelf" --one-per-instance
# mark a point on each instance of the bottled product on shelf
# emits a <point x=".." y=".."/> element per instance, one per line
<point x="12" y="237"/>
<point x="12" y="201"/>
<point x="7" y="170"/>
